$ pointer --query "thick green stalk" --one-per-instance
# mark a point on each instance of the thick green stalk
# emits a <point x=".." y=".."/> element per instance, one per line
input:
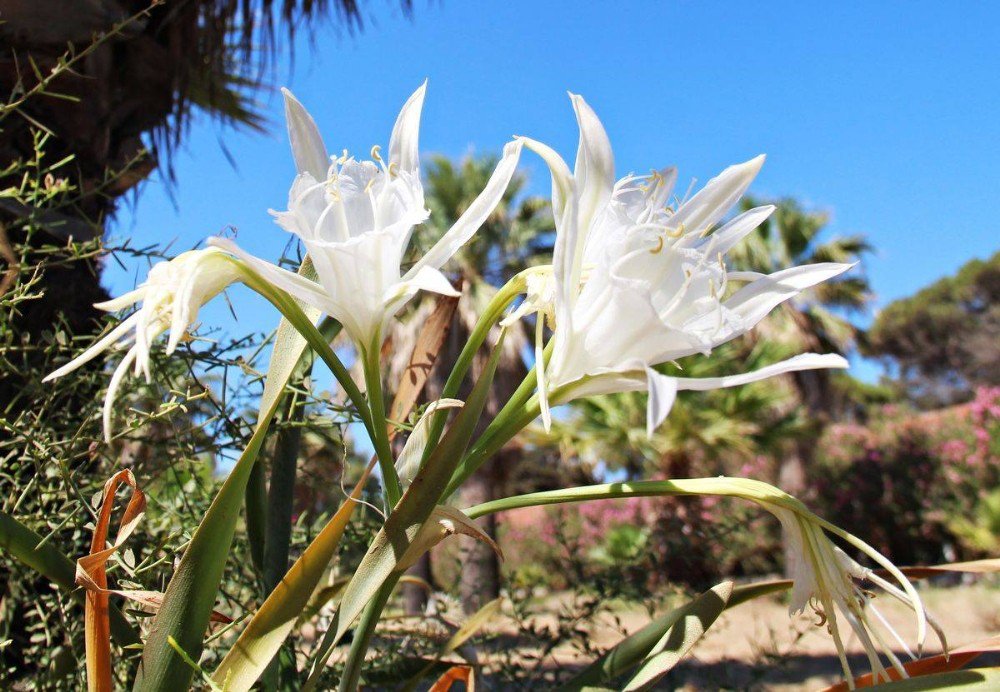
<point x="278" y="525"/>
<point x="363" y="635"/>
<point x="512" y="419"/>
<point x="491" y="315"/>
<point x="255" y="497"/>
<point x="380" y="428"/>
<point x="751" y="490"/>
<point x="192" y="589"/>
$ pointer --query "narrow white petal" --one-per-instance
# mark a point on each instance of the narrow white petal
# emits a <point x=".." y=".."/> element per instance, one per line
<point x="305" y="290"/>
<point x="113" y="385"/>
<point x="307" y="144"/>
<point x="744" y="276"/>
<point x="102" y="345"/>
<point x="595" y="163"/>
<point x="426" y="279"/>
<point x="474" y="217"/>
<point x="755" y="300"/>
<point x="726" y="238"/>
<point x="404" y="148"/>
<point x="662" y="394"/>
<point x="543" y="388"/>
<point x="562" y="179"/>
<point x="717" y="197"/>
<point x="805" y="361"/>
<point x="122" y="301"/>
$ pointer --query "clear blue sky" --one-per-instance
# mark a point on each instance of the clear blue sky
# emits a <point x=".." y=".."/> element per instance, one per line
<point x="885" y="114"/>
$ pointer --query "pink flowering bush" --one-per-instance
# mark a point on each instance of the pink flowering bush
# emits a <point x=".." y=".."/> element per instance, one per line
<point x="911" y="483"/>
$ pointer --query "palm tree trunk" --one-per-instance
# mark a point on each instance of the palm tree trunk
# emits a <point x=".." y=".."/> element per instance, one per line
<point x="480" y="580"/>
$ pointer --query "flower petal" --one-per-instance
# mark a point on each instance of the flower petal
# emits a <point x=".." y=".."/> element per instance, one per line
<point x="595" y="163"/>
<point x="476" y="214"/>
<point x="755" y="300"/>
<point x="662" y="394"/>
<point x="305" y="290"/>
<point x="724" y="239"/>
<point x="804" y="361"/>
<point x="717" y="197"/>
<point x="307" y="144"/>
<point x="97" y="348"/>
<point x="404" y="143"/>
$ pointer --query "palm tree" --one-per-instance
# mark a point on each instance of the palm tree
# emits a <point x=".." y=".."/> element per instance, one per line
<point x="707" y="433"/>
<point x="815" y="321"/>
<point x="518" y="233"/>
<point x="111" y="108"/>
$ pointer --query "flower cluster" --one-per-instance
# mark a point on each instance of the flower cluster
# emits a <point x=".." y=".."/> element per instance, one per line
<point x="638" y="280"/>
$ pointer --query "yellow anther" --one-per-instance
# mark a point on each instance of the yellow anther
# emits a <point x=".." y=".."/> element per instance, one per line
<point x="376" y="156"/>
<point x="393" y="169"/>
<point x="659" y="245"/>
<point x="370" y="185"/>
<point x="676" y="233"/>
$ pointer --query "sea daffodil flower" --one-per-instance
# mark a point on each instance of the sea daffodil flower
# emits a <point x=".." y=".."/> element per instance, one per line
<point x="828" y="581"/>
<point x="171" y="296"/>
<point x="355" y="219"/>
<point x="638" y="283"/>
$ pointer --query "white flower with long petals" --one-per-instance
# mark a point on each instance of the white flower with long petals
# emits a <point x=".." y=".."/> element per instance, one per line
<point x="638" y="283"/>
<point x="171" y="296"/>
<point x="355" y="219"/>
<point x="830" y="583"/>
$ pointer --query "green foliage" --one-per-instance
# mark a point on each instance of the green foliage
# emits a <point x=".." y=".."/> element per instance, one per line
<point x="945" y="338"/>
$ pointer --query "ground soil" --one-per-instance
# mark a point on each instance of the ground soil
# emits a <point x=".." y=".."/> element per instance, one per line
<point x="757" y="646"/>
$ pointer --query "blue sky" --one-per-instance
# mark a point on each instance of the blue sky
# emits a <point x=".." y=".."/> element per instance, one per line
<point x="884" y="114"/>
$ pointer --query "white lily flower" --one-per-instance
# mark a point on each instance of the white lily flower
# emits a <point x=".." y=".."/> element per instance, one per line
<point x="171" y="296"/>
<point x="828" y="581"/>
<point x="637" y="283"/>
<point x="355" y="219"/>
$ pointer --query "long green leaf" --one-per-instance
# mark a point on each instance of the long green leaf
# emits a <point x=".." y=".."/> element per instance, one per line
<point x="690" y="626"/>
<point x="270" y="625"/>
<point x="415" y="507"/>
<point x="190" y="595"/>
<point x="657" y="634"/>
<point x="23" y="543"/>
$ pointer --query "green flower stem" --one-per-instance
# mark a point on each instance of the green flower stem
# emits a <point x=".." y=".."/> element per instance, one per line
<point x="490" y="316"/>
<point x="363" y="635"/>
<point x="380" y="432"/>
<point x="510" y="421"/>
<point x="522" y="408"/>
<point x="754" y="491"/>
<point x="293" y="313"/>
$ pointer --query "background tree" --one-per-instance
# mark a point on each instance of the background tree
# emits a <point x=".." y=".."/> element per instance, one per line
<point x="517" y="234"/>
<point x="722" y="431"/>
<point x="138" y="70"/>
<point x="815" y="321"/>
<point x="945" y="339"/>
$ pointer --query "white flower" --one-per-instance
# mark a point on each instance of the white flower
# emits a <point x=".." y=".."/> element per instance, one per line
<point x="355" y="219"/>
<point x="827" y="580"/>
<point x="171" y="296"/>
<point x="637" y="283"/>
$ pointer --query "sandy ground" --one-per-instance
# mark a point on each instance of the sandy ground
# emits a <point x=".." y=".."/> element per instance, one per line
<point x="757" y="646"/>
